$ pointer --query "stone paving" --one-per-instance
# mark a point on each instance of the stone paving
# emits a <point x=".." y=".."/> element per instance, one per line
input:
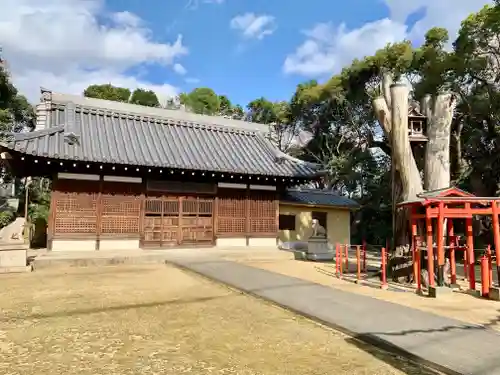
<point x="458" y="305"/>
<point x="450" y="345"/>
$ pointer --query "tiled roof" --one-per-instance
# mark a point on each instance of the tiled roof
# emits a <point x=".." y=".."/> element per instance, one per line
<point x="316" y="197"/>
<point x="444" y="192"/>
<point x="88" y="133"/>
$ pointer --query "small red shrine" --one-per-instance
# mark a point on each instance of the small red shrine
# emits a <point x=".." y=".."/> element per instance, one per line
<point x="436" y="207"/>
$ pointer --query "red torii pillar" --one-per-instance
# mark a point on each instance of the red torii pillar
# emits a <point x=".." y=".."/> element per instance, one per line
<point x="415" y="252"/>
<point x="451" y="243"/>
<point x="430" y="247"/>
<point x="470" y="248"/>
<point x="440" y="243"/>
<point x="496" y="234"/>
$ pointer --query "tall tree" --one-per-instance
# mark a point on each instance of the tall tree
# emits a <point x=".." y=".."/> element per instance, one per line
<point x="16" y="113"/>
<point x="107" y="92"/>
<point x="283" y="130"/>
<point x="202" y="100"/>
<point x="363" y="107"/>
<point x="144" y="97"/>
<point x="225" y="106"/>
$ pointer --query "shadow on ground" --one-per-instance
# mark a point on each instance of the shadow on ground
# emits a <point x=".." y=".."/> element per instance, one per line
<point x="401" y="362"/>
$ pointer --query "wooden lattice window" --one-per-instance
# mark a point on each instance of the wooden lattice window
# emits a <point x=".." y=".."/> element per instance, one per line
<point x="231" y="212"/>
<point x="246" y="213"/>
<point x="263" y="208"/>
<point x="121" y="208"/>
<point x="75" y="207"/>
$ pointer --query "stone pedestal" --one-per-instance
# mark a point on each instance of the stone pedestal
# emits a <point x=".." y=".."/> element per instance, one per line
<point x="495" y="293"/>
<point x="13" y="257"/>
<point x="318" y="249"/>
<point x="435" y="291"/>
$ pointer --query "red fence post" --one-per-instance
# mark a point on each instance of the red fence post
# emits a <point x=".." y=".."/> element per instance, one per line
<point x="347" y="258"/>
<point x="364" y="256"/>
<point x="490" y="265"/>
<point x="341" y="253"/>
<point x="384" y="274"/>
<point x="337" y="259"/>
<point x="358" y="263"/>
<point x="485" y="275"/>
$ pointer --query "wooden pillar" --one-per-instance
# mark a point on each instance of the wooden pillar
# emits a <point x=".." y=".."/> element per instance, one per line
<point x="277" y="204"/>
<point x="430" y="248"/>
<point x="440" y="243"/>
<point x="470" y="250"/>
<point x="142" y="212"/>
<point x="51" y="224"/>
<point x="215" y="219"/>
<point x="247" y="215"/>
<point x="99" y="214"/>
<point x="451" y="243"/>
<point x="181" y="220"/>
<point x="496" y="234"/>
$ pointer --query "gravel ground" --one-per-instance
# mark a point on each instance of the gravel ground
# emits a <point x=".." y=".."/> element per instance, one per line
<point x="160" y="320"/>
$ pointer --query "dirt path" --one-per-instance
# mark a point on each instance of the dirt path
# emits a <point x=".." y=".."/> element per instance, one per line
<point x="160" y="320"/>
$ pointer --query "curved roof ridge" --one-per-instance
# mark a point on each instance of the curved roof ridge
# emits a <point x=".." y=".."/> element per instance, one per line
<point x="153" y="111"/>
<point x="150" y="118"/>
<point x="282" y="155"/>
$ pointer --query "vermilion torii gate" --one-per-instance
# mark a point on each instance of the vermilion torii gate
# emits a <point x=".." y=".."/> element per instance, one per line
<point x="444" y="205"/>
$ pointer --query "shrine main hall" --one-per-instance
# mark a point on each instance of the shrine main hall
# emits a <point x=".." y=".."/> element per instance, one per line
<point x="126" y="176"/>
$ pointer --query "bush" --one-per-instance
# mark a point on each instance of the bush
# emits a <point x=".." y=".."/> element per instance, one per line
<point x="6" y="217"/>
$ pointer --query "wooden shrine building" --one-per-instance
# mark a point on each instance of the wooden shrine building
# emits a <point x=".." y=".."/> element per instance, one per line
<point x="127" y="176"/>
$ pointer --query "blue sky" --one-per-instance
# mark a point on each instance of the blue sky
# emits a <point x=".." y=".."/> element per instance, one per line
<point x="243" y="69"/>
<point x="240" y="48"/>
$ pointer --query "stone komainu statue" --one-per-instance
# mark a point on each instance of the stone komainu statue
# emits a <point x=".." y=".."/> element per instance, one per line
<point x="317" y="230"/>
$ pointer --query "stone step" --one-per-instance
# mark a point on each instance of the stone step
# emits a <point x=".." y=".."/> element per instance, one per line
<point x="101" y="258"/>
<point x="46" y="262"/>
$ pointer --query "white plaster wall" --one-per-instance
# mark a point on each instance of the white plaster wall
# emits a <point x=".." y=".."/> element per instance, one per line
<point x="73" y="245"/>
<point x="118" y="245"/>
<point x="262" y="242"/>
<point x="231" y="242"/>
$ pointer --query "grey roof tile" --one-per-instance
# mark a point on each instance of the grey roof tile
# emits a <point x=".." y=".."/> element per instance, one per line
<point x="317" y="197"/>
<point x="83" y="133"/>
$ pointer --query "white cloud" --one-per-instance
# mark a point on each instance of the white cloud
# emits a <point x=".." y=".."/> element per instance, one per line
<point x="179" y="69"/>
<point x="63" y="46"/>
<point x="254" y="26"/>
<point x="328" y="48"/>
<point x="126" y="19"/>
<point x="192" y="80"/>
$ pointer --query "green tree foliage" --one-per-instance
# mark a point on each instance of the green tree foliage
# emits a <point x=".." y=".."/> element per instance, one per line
<point x="144" y="97"/>
<point x="16" y="113"/>
<point x="108" y="92"/>
<point x="204" y="101"/>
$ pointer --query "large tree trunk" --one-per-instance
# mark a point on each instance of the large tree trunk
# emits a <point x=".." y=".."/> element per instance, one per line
<point x="406" y="178"/>
<point x="437" y="156"/>
<point x="392" y="111"/>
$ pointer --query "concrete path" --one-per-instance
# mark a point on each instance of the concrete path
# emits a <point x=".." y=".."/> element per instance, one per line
<point x="448" y="345"/>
